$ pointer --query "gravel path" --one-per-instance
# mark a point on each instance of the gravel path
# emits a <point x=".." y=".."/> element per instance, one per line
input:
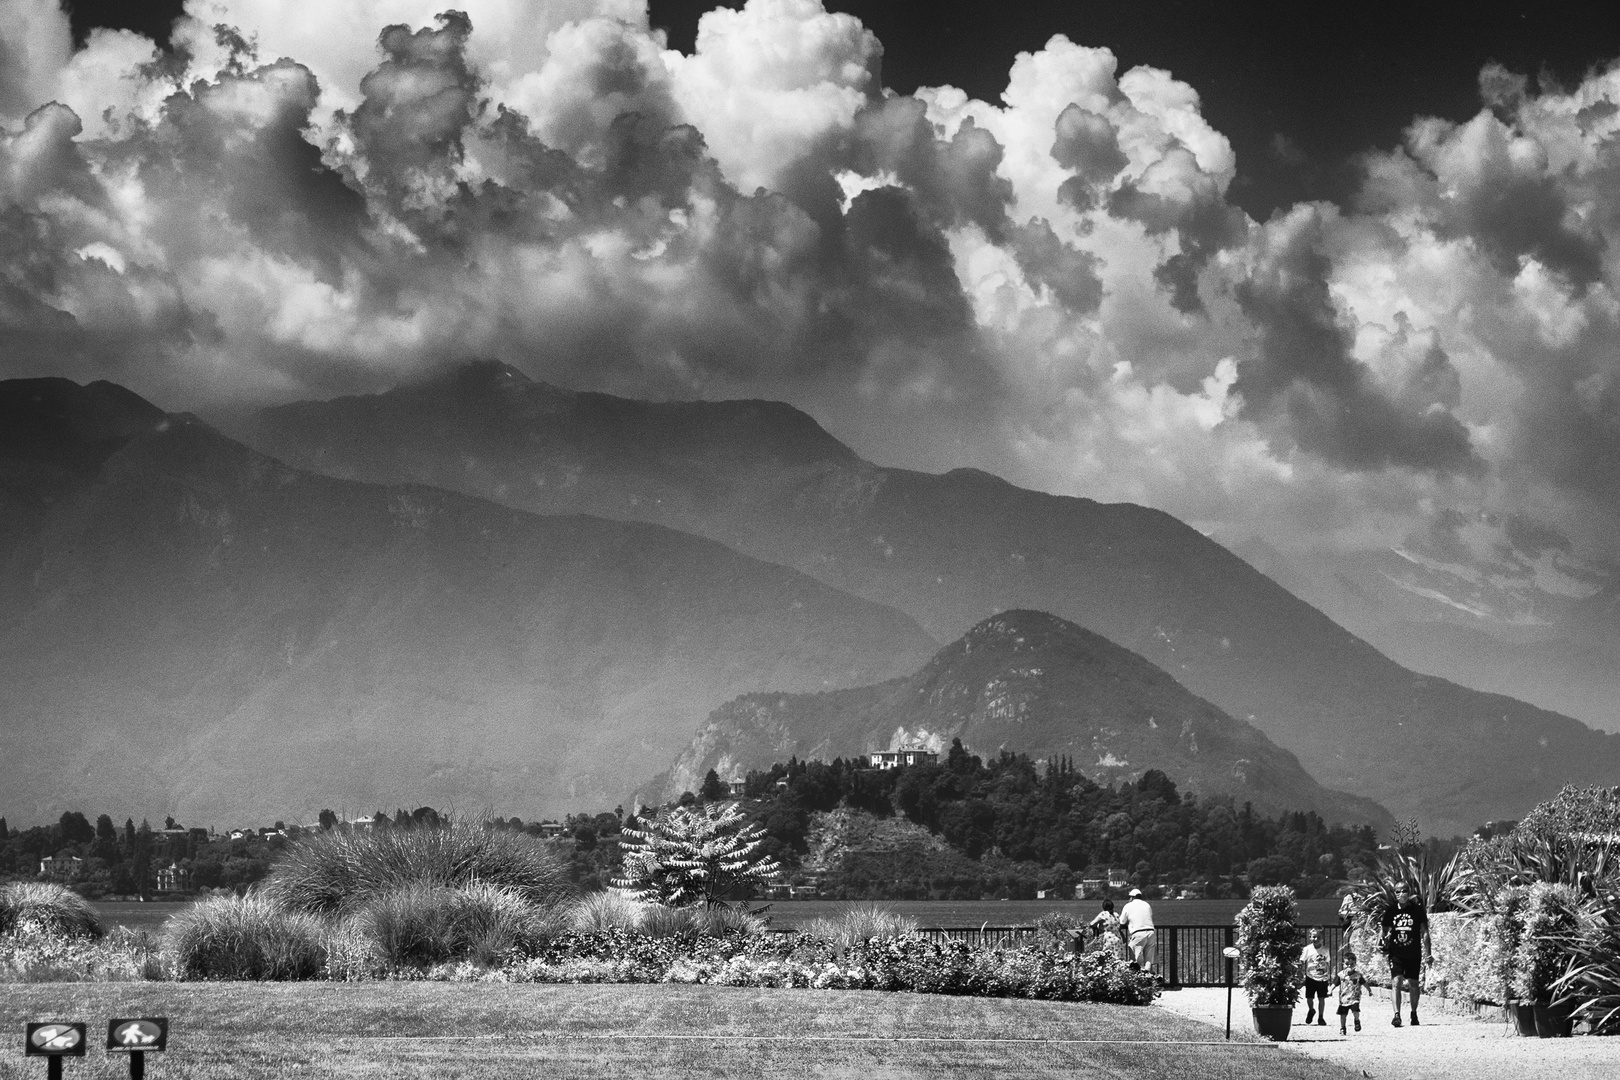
<point x="1445" y="1047"/>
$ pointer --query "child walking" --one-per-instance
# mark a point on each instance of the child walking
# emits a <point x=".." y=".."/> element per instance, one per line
<point x="1350" y="983"/>
<point x="1318" y="965"/>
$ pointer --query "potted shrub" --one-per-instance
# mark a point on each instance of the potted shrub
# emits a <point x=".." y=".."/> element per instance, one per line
<point x="1268" y="958"/>
<point x="1550" y="925"/>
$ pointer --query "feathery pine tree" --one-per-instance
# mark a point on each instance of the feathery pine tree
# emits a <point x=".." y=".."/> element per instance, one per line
<point x="693" y="855"/>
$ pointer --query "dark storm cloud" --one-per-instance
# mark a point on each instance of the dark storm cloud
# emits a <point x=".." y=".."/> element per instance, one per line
<point x="417" y="104"/>
<point x="1304" y="379"/>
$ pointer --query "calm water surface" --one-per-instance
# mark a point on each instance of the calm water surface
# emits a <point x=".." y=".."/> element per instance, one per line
<point x="137" y="916"/>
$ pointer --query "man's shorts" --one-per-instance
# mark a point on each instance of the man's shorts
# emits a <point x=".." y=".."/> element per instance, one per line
<point x="1144" y="949"/>
<point x="1407" y="966"/>
<point x="1315" y="987"/>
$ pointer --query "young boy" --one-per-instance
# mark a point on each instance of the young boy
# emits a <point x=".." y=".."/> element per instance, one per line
<point x="1350" y="983"/>
<point x="1318" y="965"/>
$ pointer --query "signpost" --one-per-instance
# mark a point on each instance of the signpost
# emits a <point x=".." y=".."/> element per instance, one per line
<point x="54" y="1040"/>
<point x="1231" y="954"/>
<point x="137" y="1037"/>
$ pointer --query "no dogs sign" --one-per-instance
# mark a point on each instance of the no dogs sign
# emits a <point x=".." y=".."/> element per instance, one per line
<point x="54" y="1038"/>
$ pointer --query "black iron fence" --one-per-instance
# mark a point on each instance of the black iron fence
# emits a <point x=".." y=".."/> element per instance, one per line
<point x="1187" y="955"/>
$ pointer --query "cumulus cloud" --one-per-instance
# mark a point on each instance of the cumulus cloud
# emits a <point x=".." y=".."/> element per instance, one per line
<point x="299" y="201"/>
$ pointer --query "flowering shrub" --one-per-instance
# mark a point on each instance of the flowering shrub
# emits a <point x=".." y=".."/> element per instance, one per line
<point x="32" y="954"/>
<point x="1269" y="947"/>
<point x="1467" y="962"/>
<point x="798" y="961"/>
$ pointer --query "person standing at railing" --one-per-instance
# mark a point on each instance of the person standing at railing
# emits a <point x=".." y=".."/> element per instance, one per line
<point x="1318" y="965"/>
<point x="1107" y="935"/>
<point x="1137" y="919"/>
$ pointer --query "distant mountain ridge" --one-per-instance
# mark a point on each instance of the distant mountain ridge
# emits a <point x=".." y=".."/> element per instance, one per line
<point x="188" y="626"/>
<point x="950" y="550"/>
<point x="1025" y="682"/>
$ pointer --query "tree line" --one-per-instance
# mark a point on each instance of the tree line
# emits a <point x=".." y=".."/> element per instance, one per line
<point x="1016" y="827"/>
<point x="105" y="859"/>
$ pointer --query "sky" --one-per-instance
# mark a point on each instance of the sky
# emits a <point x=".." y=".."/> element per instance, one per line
<point x="1340" y="279"/>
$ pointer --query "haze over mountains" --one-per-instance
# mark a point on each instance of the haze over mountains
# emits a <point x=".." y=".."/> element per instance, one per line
<point x="950" y="550"/>
<point x="190" y="627"/>
<point x="1029" y="682"/>
<point x="1489" y="604"/>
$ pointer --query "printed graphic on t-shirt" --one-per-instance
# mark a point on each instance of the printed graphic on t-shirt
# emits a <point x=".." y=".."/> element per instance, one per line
<point x="1404" y="925"/>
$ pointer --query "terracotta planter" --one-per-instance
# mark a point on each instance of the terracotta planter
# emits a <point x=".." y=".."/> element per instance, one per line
<point x="1552" y="1021"/>
<point x="1273" y="1023"/>
<point x="1524" y="1017"/>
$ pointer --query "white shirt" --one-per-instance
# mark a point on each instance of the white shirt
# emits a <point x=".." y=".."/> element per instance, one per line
<point x="1137" y="916"/>
<point x="1317" y="963"/>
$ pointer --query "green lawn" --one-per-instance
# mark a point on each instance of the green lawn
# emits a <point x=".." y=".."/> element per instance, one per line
<point x="247" y="1030"/>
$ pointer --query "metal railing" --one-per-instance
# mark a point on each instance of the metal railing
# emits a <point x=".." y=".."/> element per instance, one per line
<point x="1187" y="955"/>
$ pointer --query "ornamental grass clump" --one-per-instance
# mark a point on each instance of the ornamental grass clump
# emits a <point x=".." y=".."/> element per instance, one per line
<point x="29" y="907"/>
<point x="335" y="872"/>
<point x="1268" y="946"/>
<point x="418" y="925"/>
<point x="248" y="937"/>
<point x="858" y="923"/>
<point x="609" y="909"/>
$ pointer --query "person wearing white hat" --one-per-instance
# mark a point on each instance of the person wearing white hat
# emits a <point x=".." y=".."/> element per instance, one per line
<point x="1137" y="919"/>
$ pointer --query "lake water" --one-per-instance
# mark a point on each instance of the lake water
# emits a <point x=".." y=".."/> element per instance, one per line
<point x="145" y="917"/>
<point x="784" y="914"/>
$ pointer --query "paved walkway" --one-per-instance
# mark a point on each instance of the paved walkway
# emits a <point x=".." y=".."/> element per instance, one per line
<point x="1446" y="1047"/>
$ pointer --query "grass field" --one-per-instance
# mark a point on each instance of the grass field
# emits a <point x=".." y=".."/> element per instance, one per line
<point x="252" y="1030"/>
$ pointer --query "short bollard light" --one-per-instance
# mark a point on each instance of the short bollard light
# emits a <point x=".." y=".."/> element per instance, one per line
<point x="1231" y="954"/>
<point x="54" y="1040"/>
<point x="137" y="1037"/>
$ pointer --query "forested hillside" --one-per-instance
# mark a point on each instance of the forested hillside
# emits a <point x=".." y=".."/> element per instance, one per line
<point x="1008" y="827"/>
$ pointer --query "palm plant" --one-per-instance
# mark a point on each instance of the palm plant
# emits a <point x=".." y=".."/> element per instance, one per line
<point x="1406" y="859"/>
<point x="1593" y="976"/>
<point x="1552" y="932"/>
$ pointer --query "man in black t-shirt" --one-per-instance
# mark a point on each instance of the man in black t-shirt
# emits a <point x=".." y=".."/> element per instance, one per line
<point x="1406" y="940"/>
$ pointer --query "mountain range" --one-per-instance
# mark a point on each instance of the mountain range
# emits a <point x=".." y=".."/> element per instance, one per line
<point x="950" y="550"/>
<point x="1027" y="682"/>
<point x="190" y="627"/>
